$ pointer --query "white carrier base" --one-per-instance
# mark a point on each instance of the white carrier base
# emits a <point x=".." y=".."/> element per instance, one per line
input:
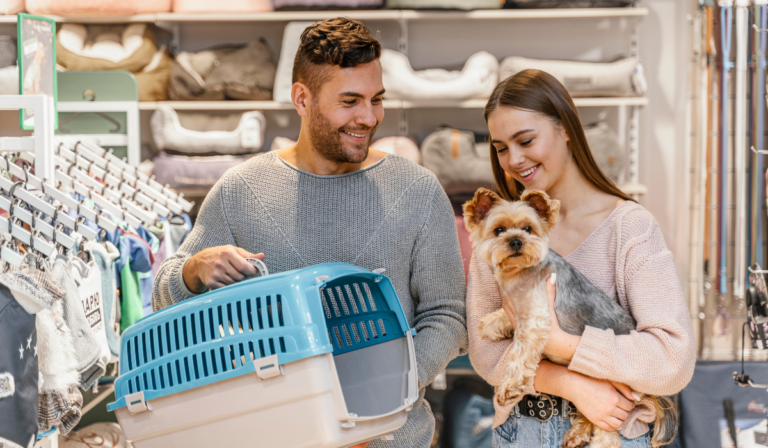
<point x="305" y="402"/>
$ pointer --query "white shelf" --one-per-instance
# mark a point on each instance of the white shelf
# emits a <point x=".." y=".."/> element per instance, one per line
<point x="388" y="104"/>
<point x="380" y="14"/>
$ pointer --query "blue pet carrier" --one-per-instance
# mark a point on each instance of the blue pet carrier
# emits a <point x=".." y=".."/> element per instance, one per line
<point x="320" y="357"/>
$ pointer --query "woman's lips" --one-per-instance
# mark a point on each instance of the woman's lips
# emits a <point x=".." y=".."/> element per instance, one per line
<point x="530" y="173"/>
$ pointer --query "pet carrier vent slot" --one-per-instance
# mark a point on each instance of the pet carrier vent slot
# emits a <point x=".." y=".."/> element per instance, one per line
<point x="370" y="297"/>
<point x="152" y="343"/>
<point x="272" y="347"/>
<point x="373" y="329"/>
<point x="346" y="335"/>
<point x="332" y="299"/>
<point x="325" y="304"/>
<point x="205" y="364"/>
<point x="250" y="348"/>
<point x="249" y="313"/>
<point x="184" y="330"/>
<point x="194" y="364"/>
<point x="351" y="299"/>
<point x="282" y="344"/>
<point x="343" y="302"/>
<point x="330" y="338"/>
<point x="136" y="352"/>
<point x="193" y="328"/>
<point x="269" y="312"/>
<point x="239" y="306"/>
<point x="261" y="348"/>
<point x="213" y="362"/>
<point x="360" y="298"/>
<point x="280" y="319"/>
<point x="354" y="331"/>
<point x="365" y="332"/>
<point x="176" y="333"/>
<point x="242" y="355"/>
<point x="159" y="331"/>
<point x="338" y="336"/>
<point x="144" y="359"/>
<point x="201" y="317"/>
<point x="128" y="357"/>
<point x="258" y="313"/>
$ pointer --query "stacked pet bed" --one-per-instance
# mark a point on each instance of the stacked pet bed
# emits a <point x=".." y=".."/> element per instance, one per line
<point x="569" y="3"/>
<point x="9" y="71"/>
<point x="461" y="164"/>
<point x="476" y="80"/>
<point x="624" y="77"/>
<point x="397" y="145"/>
<point x="117" y="47"/>
<point x="237" y="72"/>
<point x="303" y="5"/>
<point x="208" y="6"/>
<point x="197" y="148"/>
<point x="10" y="7"/>
<point x="97" y="8"/>
<point x="291" y="41"/>
<point x="444" y="4"/>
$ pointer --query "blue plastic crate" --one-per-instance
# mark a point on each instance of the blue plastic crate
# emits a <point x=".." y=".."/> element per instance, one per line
<point x="328" y="308"/>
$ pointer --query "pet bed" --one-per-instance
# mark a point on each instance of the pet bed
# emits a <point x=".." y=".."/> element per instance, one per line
<point x="398" y="145"/>
<point x="7" y="51"/>
<point x="444" y="4"/>
<point x="476" y="80"/>
<point x="302" y="5"/>
<point x="153" y="79"/>
<point x="607" y="150"/>
<point x="223" y="6"/>
<point x="97" y="8"/>
<point x="568" y="3"/>
<point x="291" y="41"/>
<point x="11" y="7"/>
<point x="192" y="172"/>
<point x="624" y="77"/>
<point x="205" y="134"/>
<point x="238" y="72"/>
<point x="105" y="47"/>
<point x="9" y="80"/>
<point x="461" y="165"/>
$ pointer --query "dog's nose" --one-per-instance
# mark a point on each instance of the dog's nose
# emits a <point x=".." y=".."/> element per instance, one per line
<point x="516" y="245"/>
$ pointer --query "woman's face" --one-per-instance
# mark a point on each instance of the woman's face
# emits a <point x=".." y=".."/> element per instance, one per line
<point x="531" y="148"/>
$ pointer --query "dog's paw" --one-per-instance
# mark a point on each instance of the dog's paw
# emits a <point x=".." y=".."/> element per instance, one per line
<point x="496" y="326"/>
<point x="508" y="393"/>
<point x="580" y="432"/>
<point x="573" y="441"/>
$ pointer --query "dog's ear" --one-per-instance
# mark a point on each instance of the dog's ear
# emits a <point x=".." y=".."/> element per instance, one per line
<point x="476" y="209"/>
<point x="547" y="209"/>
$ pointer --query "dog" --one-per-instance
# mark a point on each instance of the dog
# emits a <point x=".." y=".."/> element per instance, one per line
<point x="513" y="238"/>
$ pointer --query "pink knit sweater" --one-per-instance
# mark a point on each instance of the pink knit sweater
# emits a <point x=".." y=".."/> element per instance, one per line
<point x="627" y="258"/>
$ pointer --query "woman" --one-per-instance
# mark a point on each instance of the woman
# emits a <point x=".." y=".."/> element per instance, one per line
<point x="537" y="142"/>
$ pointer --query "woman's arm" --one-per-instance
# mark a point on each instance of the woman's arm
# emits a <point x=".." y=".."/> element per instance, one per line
<point x="483" y="297"/>
<point x="659" y="357"/>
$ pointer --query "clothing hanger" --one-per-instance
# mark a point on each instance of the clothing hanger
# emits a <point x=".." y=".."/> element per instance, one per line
<point x="129" y="178"/>
<point x="116" y="196"/>
<point x="49" y="187"/>
<point x="101" y="114"/>
<point x="32" y="218"/>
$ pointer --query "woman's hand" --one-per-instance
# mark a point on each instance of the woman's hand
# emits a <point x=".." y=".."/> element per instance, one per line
<point x="561" y="344"/>
<point x="604" y="403"/>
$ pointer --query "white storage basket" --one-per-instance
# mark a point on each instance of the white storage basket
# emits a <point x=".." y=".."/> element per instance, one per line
<point x="318" y="357"/>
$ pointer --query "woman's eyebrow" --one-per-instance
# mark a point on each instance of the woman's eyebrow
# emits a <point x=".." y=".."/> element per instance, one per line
<point x="517" y="134"/>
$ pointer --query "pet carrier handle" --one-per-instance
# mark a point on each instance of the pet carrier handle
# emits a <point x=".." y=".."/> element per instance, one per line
<point x="259" y="265"/>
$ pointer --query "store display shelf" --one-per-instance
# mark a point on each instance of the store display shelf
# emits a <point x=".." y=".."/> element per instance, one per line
<point x="388" y="104"/>
<point x="381" y="14"/>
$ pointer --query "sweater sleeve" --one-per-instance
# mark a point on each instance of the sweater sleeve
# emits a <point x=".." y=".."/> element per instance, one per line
<point x="659" y="357"/>
<point x="484" y="297"/>
<point x="211" y="229"/>
<point x="438" y="287"/>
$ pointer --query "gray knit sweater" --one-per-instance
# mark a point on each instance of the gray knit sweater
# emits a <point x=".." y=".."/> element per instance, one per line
<point x="392" y="215"/>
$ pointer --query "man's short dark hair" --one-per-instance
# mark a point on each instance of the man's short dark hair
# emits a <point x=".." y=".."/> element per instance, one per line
<point x="339" y="41"/>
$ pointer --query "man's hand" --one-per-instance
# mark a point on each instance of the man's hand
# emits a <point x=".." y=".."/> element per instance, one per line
<point x="217" y="267"/>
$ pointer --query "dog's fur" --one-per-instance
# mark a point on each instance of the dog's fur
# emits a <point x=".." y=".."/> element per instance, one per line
<point x="513" y="238"/>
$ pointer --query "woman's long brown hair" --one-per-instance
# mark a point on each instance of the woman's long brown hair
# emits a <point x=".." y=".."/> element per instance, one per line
<point x="538" y="91"/>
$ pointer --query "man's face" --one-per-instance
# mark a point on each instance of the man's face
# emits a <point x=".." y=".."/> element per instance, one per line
<point x="346" y="112"/>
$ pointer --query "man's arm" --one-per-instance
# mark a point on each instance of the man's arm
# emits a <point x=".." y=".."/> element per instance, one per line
<point x="438" y="288"/>
<point x="207" y="259"/>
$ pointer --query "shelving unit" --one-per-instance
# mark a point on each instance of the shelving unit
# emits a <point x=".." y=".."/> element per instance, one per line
<point x="379" y="14"/>
<point x="388" y="104"/>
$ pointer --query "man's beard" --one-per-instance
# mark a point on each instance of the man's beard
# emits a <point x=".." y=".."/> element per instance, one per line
<point x="327" y="141"/>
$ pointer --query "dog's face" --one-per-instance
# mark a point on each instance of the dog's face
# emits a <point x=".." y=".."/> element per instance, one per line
<point x="511" y="235"/>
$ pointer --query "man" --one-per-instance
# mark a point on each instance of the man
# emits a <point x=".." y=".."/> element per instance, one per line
<point x="330" y="198"/>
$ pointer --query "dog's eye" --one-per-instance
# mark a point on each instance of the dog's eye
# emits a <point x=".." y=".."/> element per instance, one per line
<point x="498" y="231"/>
<point x="528" y="229"/>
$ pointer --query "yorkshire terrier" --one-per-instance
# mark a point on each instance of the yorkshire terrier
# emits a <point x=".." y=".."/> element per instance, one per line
<point x="513" y="238"/>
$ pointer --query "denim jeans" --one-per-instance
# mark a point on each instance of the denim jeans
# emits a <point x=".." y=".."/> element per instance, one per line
<point x="528" y="432"/>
